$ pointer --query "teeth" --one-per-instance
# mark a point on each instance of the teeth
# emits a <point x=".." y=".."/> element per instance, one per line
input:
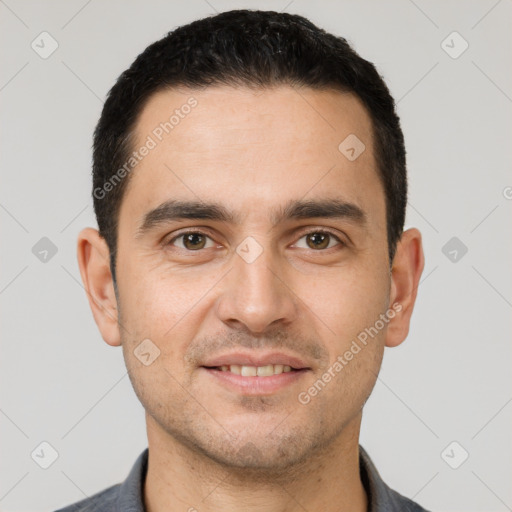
<point x="265" y="371"/>
<point x="234" y="368"/>
<point x="259" y="371"/>
<point x="249" y="371"/>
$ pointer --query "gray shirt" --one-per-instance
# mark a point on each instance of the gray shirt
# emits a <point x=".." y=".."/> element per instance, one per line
<point x="128" y="496"/>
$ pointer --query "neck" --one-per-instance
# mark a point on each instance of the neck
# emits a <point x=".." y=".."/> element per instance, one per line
<point x="180" y="478"/>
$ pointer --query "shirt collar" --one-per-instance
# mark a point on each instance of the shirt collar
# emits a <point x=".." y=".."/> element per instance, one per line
<point x="131" y="492"/>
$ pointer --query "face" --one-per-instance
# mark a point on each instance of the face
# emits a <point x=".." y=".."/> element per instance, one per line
<point x="249" y="244"/>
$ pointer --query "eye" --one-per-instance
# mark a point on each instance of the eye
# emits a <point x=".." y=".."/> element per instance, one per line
<point x="192" y="241"/>
<point x="318" y="240"/>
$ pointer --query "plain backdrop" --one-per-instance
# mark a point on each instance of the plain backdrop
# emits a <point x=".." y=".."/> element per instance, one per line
<point x="443" y="395"/>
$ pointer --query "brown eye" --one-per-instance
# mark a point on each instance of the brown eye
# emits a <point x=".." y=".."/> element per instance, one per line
<point x="318" y="240"/>
<point x="192" y="241"/>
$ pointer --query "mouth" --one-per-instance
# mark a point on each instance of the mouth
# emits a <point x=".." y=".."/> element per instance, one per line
<point x="252" y="384"/>
<point x="267" y="370"/>
<point x="251" y="375"/>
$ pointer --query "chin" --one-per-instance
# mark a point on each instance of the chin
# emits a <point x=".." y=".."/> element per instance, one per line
<point x="254" y="451"/>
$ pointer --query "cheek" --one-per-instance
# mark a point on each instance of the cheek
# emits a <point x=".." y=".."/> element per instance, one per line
<point x="158" y="309"/>
<point x="345" y="301"/>
<point x="166" y="308"/>
<point x="157" y="301"/>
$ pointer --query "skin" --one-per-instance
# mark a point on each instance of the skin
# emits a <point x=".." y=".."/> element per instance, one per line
<point x="211" y="448"/>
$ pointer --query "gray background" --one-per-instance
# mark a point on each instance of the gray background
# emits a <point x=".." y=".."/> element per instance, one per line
<point x="450" y="381"/>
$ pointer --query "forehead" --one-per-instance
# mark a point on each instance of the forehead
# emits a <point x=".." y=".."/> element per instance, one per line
<point x="252" y="150"/>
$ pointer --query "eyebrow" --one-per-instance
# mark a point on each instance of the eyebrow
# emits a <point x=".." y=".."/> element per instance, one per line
<point x="175" y="210"/>
<point x="327" y="208"/>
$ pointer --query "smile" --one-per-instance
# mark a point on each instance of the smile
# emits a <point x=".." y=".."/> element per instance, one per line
<point x="255" y="371"/>
<point x="254" y="380"/>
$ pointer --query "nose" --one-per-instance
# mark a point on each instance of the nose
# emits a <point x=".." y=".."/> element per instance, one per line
<point x="257" y="294"/>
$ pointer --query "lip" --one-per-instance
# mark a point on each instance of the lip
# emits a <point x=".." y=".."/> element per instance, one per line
<point x="253" y="359"/>
<point x="254" y="386"/>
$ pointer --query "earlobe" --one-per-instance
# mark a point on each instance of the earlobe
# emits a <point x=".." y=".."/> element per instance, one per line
<point x="406" y="271"/>
<point x="94" y="263"/>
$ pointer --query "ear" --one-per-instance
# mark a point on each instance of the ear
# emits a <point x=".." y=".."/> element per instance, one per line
<point x="406" y="271"/>
<point x="93" y="260"/>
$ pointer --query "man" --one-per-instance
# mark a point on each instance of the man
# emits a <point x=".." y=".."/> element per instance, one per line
<point x="250" y="190"/>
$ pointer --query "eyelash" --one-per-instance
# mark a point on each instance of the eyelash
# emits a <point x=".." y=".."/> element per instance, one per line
<point x="341" y="243"/>
<point x="188" y="232"/>
<point x="315" y="231"/>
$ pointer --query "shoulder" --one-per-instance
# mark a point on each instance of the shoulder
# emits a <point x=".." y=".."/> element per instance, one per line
<point x="400" y="503"/>
<point x="103" y="501"/>
<point x="121" y="497"/>
<point x="381" y="497"/>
